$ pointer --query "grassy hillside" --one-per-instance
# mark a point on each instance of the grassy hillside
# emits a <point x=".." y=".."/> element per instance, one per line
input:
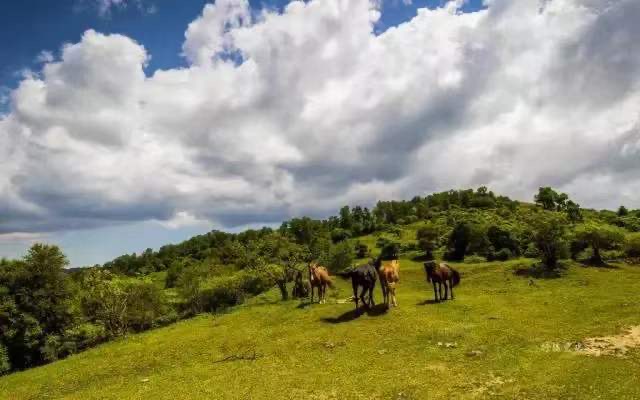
<point x="503" y="336"/>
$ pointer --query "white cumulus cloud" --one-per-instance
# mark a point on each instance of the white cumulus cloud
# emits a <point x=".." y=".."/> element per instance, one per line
<point x="280" y="114"/>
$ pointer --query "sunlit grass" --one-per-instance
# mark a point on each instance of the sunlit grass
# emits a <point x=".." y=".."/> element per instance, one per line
<point x="486" y="343"/>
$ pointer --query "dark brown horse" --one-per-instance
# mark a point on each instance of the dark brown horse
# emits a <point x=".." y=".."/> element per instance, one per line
<point x="364" y="277"/>
<point x="441" y="274"/>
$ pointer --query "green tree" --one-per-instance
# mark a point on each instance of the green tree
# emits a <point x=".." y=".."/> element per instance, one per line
<point x="549" y="234"/>
<point x="427" y="237"/>
<point x="459" y="240"/>
<point x="600" y="237"/>
<point x="623" y="211"/>
<point x="346" y="218"/>
<point x="341" y="257"/>
<point x="551" y="200"/>
<point x="574" y="214"/>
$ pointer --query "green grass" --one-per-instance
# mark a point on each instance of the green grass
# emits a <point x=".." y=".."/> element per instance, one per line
<point x="324" y="352"/>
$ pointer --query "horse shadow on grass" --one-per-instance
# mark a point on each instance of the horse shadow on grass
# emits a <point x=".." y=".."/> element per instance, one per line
<point x="352" y="315"/>
<point x="429" y="302"/>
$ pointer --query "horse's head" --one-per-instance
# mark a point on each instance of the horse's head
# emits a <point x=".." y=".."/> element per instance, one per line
<point x="429" y="268"/>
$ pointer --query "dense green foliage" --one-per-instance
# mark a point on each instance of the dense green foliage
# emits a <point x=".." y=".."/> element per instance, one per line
<point x="47" y="313"/>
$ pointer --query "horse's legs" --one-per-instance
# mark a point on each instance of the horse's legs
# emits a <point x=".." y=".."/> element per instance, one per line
<point x="440" y="289"/>
<point x="451" y="287"/>
<point x="393" y="294"/>
<point x="446" y="289"/>
<point x="435" y="291"/>
<point x="324" y="293"/>
<point x="385" y="292"/>
<point x="371" y="301"/>
<point x="363" y="294"/>
<point x="311" y="293"/>
<point x="355" y="293"/>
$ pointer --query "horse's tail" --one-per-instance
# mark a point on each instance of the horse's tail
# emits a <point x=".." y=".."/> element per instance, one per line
<point x="455" y="278"/>
<point x="344" y="274"/>
<point x="330" y="282"/>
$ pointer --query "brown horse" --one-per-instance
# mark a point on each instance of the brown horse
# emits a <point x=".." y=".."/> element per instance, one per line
<point x="389" y="272"/>
<point x="441" y="274"/>
<point x="319" y="278"/>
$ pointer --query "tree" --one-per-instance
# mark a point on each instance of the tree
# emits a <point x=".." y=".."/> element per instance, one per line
<point x="549" y="235"/>
<point x="341" y="257"/>
<point x="546" y="198"/>
<point x="573" y="211"/>
<point x="459" y="240"/>
<point x="501" y="238"/>
<point x="346" y="219"/>
<point x="600" y="237"/>
<point x="623" y="211"/>
<point x="427" y="237"/>
<point x="551" y="200"/>
<point x="35" y="303"/>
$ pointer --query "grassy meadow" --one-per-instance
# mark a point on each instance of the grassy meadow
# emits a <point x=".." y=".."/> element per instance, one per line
<point x="504" y="336"/>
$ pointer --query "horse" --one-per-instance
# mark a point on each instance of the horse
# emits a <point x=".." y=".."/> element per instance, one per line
<point x="389" y="272"/>
<point x="363" y="276"/>
<point x="441" y="274"/>
<point x="319" y="278"/>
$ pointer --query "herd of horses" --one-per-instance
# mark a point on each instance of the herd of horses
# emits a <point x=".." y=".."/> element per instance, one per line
<point x="364" y="277"/>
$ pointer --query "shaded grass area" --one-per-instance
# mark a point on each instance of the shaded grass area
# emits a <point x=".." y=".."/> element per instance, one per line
<point x="488" y="343"/>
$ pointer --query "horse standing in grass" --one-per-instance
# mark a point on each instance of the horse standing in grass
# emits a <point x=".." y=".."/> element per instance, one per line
<point x="319" y="278"/>
<point x="440" y="274"/>
<point x="389" y="272"/>
<point x="364" y="277"/>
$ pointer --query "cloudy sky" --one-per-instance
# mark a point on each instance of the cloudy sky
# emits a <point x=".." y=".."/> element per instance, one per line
<point x="127" y="124"/>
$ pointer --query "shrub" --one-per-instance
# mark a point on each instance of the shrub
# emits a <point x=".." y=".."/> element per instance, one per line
<point x="145" y="303"/>
<point x="632" y="245"/>
<point x="531" y="251"/>
<point x="5" y="364"/>
<point x="390" y="251"/>
<point x="340" y="257"/>
<point x="85" y="335"/>
<point x="223" y="292"/>
<point x="173" y="273"/>
<point x="503" y="254"/>
<point x="474" y="259"/>
<point x="362" y="250"/>
<point x="338" y="235"/>
<point x="600" y="237"/>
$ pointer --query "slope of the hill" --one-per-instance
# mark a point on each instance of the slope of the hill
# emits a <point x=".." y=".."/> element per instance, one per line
<point x="503" y="336"/>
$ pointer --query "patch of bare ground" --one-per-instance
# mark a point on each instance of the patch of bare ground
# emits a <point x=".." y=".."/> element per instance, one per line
<point x="615" y="345"/>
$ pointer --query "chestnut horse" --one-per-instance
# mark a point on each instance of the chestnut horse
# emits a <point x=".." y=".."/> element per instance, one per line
<point x="389" y="272"/>
<point x="319" y="278"/>
<point x="441" y="274"/>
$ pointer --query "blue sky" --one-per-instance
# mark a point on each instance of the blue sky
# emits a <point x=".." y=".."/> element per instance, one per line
<point x="28" y="27"/>
<point x="103" y="156"/>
